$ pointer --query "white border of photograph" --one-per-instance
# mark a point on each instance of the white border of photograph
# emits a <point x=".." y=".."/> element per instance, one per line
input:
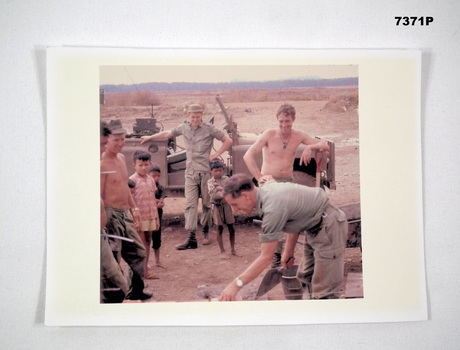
<point x="390" y="175"/>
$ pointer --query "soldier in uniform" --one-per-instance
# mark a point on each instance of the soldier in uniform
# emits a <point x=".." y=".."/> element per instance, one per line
<point x="199" y="138"/>
<point x="294" y="209"/>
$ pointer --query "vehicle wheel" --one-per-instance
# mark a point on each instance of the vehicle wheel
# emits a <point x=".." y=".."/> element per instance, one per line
<point x="303" y="179"/>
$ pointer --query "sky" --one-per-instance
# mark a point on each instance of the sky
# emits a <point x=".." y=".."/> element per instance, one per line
<point x="128" y="75"/>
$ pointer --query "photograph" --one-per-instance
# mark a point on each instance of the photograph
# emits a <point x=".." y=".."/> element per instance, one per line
<point x="295" y="124"/>
<point x="232" y="187"/>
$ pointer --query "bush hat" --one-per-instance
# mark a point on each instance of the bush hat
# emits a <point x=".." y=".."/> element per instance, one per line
<point x="116" y="127"/>
<point x="195" y="108"/>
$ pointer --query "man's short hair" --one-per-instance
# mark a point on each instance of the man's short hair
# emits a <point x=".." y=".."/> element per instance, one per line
<point x="141" y="155"/>
<point x="131" y="183"/>
<point x="286" y="109"/>
<point x="236" y="184"/>
<point x="105" y="131"/>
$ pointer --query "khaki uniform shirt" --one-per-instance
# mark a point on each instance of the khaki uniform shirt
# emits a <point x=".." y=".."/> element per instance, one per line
<point x="198" y="144"/>
<point x="288" y="207"/>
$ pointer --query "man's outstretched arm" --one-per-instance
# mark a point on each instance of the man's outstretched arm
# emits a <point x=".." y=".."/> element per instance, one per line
<point x="160" y="136"/>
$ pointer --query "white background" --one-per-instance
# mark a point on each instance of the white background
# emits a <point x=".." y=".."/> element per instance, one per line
<point x="27" y="27"/>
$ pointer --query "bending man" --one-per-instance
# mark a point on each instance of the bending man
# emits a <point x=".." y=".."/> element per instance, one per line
<point x="294" y="209"/>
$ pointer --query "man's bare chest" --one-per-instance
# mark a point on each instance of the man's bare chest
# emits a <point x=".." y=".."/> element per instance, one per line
<point x="115" y="171"/>
<point x="278" y="149"/>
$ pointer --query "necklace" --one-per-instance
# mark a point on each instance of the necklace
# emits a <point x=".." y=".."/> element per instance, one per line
<point x="285" y="143"/>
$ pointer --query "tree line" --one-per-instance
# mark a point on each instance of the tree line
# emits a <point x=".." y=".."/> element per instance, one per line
<point x="274" y="84"/>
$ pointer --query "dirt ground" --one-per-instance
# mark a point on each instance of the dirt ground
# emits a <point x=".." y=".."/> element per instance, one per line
<point x="200" y="274"/>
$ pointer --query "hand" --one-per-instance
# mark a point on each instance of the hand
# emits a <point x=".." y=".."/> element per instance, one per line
<point x="137" y="220"/>
<point x="219" y="188"/>
<point x="266" y="178"/>
<point x="229" y="293"/>
<point x="161" y="203"/>
<point x="145" y="139"/>
<point x="287" y="262"/>
<point x="213" y="156"/>
<point x="305" y="156"/>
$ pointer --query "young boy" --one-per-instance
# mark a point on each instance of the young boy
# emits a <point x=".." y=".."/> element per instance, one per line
<point x="155" y="173"/>
<point x="222" y="212"/>
<point x="144" y="196"/>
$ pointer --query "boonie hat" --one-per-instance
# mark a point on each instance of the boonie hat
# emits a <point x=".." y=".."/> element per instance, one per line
<point x="116" y="127"/>
<point x="195" y="108"/>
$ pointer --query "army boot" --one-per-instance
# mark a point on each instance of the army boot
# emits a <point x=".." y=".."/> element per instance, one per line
<point x="190" y="243"/>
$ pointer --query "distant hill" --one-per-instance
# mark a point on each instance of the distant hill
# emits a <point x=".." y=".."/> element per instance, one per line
<point x="241" y="85"/>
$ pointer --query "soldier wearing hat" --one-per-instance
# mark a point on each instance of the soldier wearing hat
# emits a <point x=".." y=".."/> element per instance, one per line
<point x="122" y="214"/>
<point x="199" y="138"/>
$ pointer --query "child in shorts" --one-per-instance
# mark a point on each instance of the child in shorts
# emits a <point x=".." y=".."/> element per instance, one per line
<point x="222" y="211"/>
<point x="155" y="173"/>
<point x="144" y="197"/>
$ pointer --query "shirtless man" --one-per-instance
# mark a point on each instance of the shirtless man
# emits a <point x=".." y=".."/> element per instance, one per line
<point x="118" y="203"/>
<point x="114" y="286"/>
<point x="278" y="147"/>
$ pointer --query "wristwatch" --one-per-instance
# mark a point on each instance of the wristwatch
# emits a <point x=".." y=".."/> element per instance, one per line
<point x="239" y="282"/>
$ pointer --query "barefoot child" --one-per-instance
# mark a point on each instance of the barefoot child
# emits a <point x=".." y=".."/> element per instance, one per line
<point x="144" y="196"/>
<point x="155" y="173"/>
<point x="222" y="212"/>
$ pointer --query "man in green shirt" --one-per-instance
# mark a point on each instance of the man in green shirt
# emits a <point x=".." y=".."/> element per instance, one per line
<point x="294" y="209"/>
<point x="199" y="138"/>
